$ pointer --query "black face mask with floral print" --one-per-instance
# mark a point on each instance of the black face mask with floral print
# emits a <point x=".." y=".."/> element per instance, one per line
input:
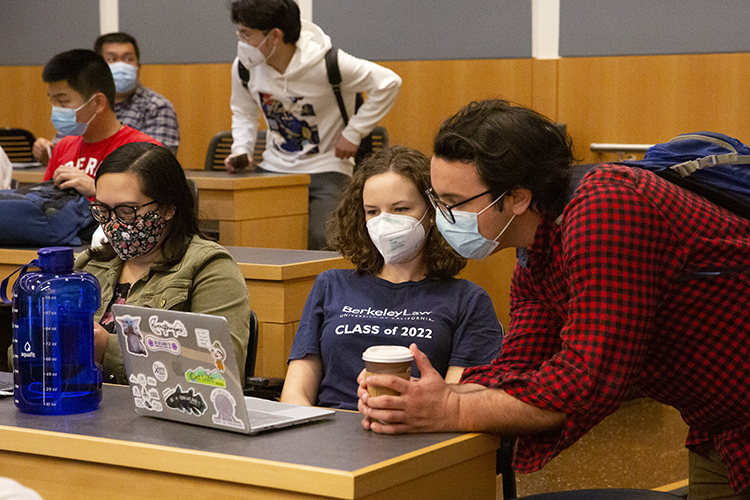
<point x="137" y="238"/>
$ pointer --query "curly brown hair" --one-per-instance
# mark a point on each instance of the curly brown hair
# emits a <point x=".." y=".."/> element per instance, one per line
<point x="347" y="230"/>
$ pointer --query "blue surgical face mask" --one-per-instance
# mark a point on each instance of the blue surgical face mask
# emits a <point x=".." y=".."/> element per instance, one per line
<point x="64" y="120"/>
<point x="125" y="75"/>
<point x="464" y="235"/>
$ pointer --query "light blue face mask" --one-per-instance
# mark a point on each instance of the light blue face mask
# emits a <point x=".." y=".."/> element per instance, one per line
<point x="464" y="235"/>
<point x="125" y="75"/>
<point x="64" y="120"/>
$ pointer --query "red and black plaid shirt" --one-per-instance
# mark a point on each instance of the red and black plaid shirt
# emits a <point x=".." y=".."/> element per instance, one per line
<point x="640" y="283"/>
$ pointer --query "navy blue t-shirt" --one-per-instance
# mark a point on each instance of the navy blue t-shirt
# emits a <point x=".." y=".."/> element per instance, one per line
<point x="451" y="320"/>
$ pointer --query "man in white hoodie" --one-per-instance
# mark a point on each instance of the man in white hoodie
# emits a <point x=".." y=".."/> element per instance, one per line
<point x="288" y="81"/>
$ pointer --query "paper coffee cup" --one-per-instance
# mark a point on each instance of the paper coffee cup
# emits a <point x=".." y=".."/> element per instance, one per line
<point x="387" y="360"/>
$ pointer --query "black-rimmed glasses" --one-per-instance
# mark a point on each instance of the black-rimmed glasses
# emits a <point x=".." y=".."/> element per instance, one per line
<point x="124" y="213"/>
<point x="444" y="208"/>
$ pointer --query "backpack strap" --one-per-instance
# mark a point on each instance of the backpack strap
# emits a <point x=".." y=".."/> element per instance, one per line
<point x="686" y="168"/>
<point x="334" y="78"/>
<point x="244" y="74"/>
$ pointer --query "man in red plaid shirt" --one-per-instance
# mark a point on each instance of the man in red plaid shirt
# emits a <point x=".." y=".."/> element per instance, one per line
<point x="634" y="282"/>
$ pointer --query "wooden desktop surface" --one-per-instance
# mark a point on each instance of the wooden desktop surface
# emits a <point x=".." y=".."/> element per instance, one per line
<point x="112" y="452"/>
<point x="252" y="209"/>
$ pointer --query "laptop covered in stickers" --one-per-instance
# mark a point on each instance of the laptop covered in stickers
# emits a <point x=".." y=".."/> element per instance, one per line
<point x="181" y="366"/>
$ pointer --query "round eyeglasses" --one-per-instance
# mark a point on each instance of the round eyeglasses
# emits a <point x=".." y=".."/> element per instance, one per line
<point x="444" y="208"/>
<point x="124" y="213"/>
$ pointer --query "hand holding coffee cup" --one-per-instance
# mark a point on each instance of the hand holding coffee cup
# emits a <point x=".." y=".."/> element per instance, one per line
<point x="387" y="360"/>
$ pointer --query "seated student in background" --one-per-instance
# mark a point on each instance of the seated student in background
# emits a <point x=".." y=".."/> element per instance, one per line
<point x="156" y="256"/>
<point x="136" y="106"/>
<point x="384" y="225"/>
<point x="82" y="92"/>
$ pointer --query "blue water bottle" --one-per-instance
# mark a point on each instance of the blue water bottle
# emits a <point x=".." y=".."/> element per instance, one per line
<point x="53" y="337"/>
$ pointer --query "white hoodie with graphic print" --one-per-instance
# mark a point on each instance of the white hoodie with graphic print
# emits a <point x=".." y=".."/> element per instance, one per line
<point x="300" y="108"/>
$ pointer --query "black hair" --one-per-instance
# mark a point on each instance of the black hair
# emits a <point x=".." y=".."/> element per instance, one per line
<point x="265" y="15"/>
<point x="118" y="37"/>
<point x="84" y="71"/>
<point x="161" y="178"/>
<point x="511" y="147"/>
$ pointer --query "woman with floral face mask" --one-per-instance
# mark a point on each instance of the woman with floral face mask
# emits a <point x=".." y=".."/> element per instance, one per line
<point x="156" y="256"/>
<point x="401" y="292"/>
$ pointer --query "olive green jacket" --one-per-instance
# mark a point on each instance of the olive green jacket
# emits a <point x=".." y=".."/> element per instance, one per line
<point x="207" y="281"/>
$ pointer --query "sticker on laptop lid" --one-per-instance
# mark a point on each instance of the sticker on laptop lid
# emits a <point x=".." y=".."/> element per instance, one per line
<point x="160" y="371"/>
<point x="167" y="329"/>
<point x="144" y="396"/>
<point x="219" y="355"/>
<point x="184" y="401"/>
<point x="171" y="346"/>
<point x="203" y="338"/>
<point x="132" y="333"/>
<point x="226" y="409"/>
<point x="205" y="377"/>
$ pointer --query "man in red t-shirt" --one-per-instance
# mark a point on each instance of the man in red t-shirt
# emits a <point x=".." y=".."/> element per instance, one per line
<point x="82" y="91"/>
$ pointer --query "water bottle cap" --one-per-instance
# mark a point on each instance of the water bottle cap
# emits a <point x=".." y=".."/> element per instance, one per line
<point x="55" y="259"/>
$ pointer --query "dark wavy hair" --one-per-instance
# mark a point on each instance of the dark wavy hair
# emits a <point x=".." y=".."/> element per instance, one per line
<point x="161" y="178"/>
<point x="511" y="147"/>
<point x="347" y="230"/>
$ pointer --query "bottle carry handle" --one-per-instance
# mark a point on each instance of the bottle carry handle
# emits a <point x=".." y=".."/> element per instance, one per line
<point x="4" y="284"/>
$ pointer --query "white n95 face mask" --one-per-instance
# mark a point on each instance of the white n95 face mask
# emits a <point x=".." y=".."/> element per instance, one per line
<point x="398" y="238"/>
<point x="251" y="56"/>
<point x="464" y="235"/>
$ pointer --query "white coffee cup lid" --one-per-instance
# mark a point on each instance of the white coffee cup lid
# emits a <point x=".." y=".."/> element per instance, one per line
<point x="388" y="354"/>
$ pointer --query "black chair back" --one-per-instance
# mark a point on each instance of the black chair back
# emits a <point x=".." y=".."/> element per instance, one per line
<point x="17" y="144"/>
<point x="221" y="146"/>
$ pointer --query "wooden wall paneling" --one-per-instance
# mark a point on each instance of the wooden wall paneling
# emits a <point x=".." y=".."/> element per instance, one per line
<point x="23" y="100"/>
<point x="544" y="87"/>
<point x="435" y="90"/>
<point x="650" y="99"/>
<point x="200" y="94"/>
<point x="494" y="274"/>
<point x="274" y="346"/>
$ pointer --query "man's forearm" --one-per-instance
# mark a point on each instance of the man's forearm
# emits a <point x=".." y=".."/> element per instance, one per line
<point x="479" y="409"/>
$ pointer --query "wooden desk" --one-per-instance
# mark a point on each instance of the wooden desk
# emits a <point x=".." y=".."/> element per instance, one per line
<point x="253" y="209"/>
<point x="114" y="453"/>
<point x="33" y="175"/>
<point x="278" y="280"/>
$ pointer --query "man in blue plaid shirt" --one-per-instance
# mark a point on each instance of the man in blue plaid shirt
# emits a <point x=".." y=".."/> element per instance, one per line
<point x="135" y="105"/>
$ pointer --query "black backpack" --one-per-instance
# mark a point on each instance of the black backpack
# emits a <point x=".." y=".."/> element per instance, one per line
<point x="334" y="78"/>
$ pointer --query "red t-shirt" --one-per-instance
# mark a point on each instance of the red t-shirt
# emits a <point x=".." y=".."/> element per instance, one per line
<point x="73" y="152"/>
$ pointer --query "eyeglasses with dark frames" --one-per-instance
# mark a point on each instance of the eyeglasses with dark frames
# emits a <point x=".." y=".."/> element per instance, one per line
<point x="444" y="208"/>
<point x="124" y="213"/>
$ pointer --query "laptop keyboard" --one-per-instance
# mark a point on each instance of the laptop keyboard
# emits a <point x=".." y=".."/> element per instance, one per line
<point x="257" y="418"/>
